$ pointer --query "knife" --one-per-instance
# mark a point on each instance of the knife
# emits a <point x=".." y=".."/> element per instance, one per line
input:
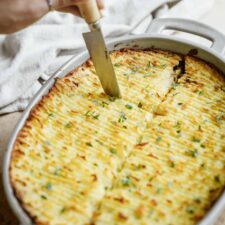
<point x="97" y="49"/>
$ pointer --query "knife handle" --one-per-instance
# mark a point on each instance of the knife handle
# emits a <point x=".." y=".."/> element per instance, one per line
<point x="89" y="11"/>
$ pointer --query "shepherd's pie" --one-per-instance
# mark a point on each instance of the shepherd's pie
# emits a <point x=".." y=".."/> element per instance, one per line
<point x="156" y="156"/>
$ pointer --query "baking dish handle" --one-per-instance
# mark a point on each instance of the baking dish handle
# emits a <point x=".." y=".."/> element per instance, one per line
<point x="192" y="27"/>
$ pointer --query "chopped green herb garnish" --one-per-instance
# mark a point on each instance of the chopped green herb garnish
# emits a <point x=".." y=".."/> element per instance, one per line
<point x="51" y="115"/>
<point x="198" y="200"/>
<point x="117" y="65"/>
<point x="113" y="150"/>
<point x="217" y="179"/>
<point x="62" y="210"/>
<point x="158" y="190"/>
<point x="44" y="197"/>
<point x="202" y="145"/>
<point x="179" y="103"/>
<point x="147" y="88"/>
<point x="100" y="142"/>
<point x="134" y="69"/>
<point x="95" y="164"/>
<point x="126" y="181"/>
<point x="49" y="186"/>
<point x="94" y="115"/>
<point x="139" y="166"/>
<point x="177" y="125"/>
<point x="158" y="139"/>
<point x="172" y="164"/>
<point x="200" y="92"/>
<point x="122" y="117"/>
<point x="195" y="153"/>
<point x="192" y="153"/>
<point x="140" y="105"/>
<point x="139" y="140"/>
<point x="68" y="125"/>
<point x="103" y="104"/>
<point x="190" y="209"/>
<point x="128" y="106"/>
<point x="174" y="85"/>
<point x="218" y="119"/>
<point x="112" y="99"/>
<point x="203" y="165"/>
<point x="194" y="139"/>
<point x="149" y="64"/>
<point x="205" y="121"/>
<point x="57" y="171"/>
<point x="127" y="76"/>
<point x="89" y="144"/>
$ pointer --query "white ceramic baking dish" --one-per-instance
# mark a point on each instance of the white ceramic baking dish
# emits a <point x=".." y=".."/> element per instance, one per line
<point x="153" y="38"/>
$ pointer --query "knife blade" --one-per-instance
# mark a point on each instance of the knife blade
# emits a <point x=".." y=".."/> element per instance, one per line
<point x="96" y="46"/>
<point x="101" y="59"/>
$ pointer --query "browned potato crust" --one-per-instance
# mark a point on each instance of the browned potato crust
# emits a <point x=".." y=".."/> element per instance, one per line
<point x="156" y="156"/>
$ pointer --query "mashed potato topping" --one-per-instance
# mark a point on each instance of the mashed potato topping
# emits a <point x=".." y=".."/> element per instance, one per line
<point x="156" y="156"/>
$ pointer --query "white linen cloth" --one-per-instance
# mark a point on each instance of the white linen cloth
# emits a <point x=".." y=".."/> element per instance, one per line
<point x="37" y="50"/>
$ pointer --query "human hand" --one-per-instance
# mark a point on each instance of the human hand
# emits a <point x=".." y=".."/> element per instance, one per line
<point x="18" y="14"/>
<point x="70" y="6"/>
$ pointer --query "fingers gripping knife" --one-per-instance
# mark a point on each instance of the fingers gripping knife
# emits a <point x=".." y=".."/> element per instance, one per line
<point x="97" y="49"/>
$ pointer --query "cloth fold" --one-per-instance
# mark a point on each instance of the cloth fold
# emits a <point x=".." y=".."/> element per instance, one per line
<point x="37" y="51"/>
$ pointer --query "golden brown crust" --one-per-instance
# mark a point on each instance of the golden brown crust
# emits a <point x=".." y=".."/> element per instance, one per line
<point x="76" y="129"/>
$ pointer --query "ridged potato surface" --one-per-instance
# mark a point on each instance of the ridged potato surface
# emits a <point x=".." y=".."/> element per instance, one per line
<point x="156" y="156"/>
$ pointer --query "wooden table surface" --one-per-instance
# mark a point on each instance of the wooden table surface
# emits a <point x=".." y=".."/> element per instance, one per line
<point x="215" y="18"/>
